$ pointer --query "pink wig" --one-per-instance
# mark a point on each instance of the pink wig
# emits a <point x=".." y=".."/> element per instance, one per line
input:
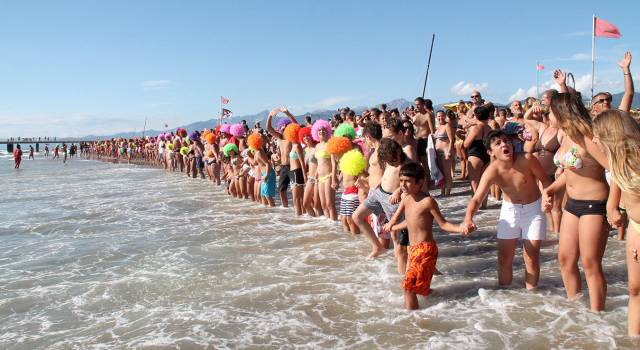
<point x="237" y="130"/>
<point x="320" y="124"/>
<point x="225" y="128"/>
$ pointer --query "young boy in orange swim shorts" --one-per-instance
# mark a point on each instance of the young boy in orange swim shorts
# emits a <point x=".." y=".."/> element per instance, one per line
<point x="419" y="210"/>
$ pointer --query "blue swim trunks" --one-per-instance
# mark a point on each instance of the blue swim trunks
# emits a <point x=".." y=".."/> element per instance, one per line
<point x="268" y="188"/>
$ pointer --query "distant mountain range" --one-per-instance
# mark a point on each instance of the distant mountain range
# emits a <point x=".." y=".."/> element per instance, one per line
<point x="400" y="104"/>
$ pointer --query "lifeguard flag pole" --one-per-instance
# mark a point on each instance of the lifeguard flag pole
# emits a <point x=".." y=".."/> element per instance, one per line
<point x="603" y="29"/>
<point x="424" y="88"/>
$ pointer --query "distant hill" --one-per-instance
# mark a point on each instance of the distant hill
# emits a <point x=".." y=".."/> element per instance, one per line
<point x="615" y="102"/>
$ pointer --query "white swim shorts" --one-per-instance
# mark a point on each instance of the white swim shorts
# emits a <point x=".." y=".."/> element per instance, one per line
<point x="526" y="221"/>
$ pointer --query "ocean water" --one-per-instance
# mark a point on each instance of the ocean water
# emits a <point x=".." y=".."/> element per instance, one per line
<point x="98" y="255"/>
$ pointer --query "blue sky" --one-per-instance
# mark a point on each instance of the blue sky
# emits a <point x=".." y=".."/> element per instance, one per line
<point x="71" y="68"/>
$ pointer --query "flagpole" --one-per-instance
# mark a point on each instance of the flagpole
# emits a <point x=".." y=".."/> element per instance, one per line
<point x="220" y="117"/>
<point x="145" y="126"/>
<point x="424" y="88"/>
<point x="593" y="54"/>
<point x="537" y="79"/>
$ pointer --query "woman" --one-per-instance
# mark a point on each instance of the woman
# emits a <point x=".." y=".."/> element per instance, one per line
<point x="582" y="233"/>
<point x="461" y="153"/>
<point x="618" y="135"/>
<point x="311" y="197"/>
<point x="297" y="170"/>
<point x="327" y="173"/>
<point x="545" y="141"/>
<point x="445" y="136"/>
<point x="478" y="158"/>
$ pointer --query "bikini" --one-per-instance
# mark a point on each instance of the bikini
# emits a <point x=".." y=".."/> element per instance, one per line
<point x="571" y="160"/>
<point x="543" y="148"/>
<point x="478" y="150"/>
<point x="325" y="155"/>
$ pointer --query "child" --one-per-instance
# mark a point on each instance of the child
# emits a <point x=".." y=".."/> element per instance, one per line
<point x="521" y="215"/>
<point x="419" y="210"/>
<point x="352" y="165"/>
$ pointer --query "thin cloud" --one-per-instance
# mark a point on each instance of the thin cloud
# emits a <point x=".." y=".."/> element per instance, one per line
<point x="464" y="88"/>
<point x="325" y="103"/>
<point x="155" y="84"/>
<point x="575" y="34"/>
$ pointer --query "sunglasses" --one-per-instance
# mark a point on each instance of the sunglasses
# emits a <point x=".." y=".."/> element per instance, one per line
<point x="601" y="100"/>
<point x="475" y="96"/>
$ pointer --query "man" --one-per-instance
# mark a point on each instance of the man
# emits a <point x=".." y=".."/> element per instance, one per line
<point x="602" y="101"/>
<point x="424" y="123"/>
<point x="285" y="149"/>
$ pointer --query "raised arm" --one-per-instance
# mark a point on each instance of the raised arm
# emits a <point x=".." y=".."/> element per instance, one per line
<point x="561" y="80"/>
<point x="627" y="98"/>
<point x="270" y="129"/>
<point x="285" y="110"/>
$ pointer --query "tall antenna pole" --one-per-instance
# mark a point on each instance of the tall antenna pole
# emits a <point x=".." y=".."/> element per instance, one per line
<point x="145" y="126"/>
<point x="424" y="88"/>
<point x="593" y="54"/>
<point x="537" y="79"/>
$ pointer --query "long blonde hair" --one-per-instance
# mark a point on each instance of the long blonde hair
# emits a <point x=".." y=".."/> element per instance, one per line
<point x="620" y="136"/>
<point x="573" y="118"/>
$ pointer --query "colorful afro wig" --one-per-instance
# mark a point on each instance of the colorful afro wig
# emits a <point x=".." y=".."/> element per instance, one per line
<point x="255" y="141"/>
<point x="345" y="130"/>
<point x="237" y="130"/>
<point x="194" y="136"/>
<point x="181" y="132"/>
<point x="210" y="138"/>
<point x="225" y="128"/>
<point x="338" y="145"/>
<point x="353" y="163"/>
<point x="282" y="123"/>
<point x="320" y="124"/>
<point x="291" y="133"/>
<point x="184" y="151"/>
<point x="170" y="146"/>
<point x="228" y="148"/>
<point x="304" y="132"/>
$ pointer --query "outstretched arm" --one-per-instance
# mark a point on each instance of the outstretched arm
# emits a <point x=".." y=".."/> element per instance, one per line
<point x="483" y="189"/>
<point x="627" y="99"/>
<point x="391" y="225"/>
<point x="442" y="222"/>
<point x="270" y="128"/>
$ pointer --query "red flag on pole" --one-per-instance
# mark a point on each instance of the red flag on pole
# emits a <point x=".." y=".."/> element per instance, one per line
<point x="606" y="29"/>
<point x="539" y="67"/>
<point x="223" y="100"/>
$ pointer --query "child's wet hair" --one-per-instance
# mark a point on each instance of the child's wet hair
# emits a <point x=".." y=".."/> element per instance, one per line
<point x="373" y="129"/>
<point x="492" y="135"/>
<point x="413" y="170"/>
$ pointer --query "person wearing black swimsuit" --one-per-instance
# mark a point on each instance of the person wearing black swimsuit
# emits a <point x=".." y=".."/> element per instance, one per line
<point x="478" y="157"/>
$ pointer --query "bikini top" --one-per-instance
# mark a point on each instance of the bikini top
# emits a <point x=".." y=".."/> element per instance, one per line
<point x="570" y="160"/>
<point x="442" y="136"/>
<point x="293" y="155"/>
<point x="548" y="145"/>
<point x="322" y="154"/>
<point x="312" y="159"/>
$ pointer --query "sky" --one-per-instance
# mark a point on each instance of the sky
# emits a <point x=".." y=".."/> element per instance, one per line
<point x="73" y="68"/>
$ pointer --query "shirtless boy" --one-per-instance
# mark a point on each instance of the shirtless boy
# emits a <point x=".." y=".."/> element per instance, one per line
<point x="521" y="215"/>
<point x="419" y="210"/>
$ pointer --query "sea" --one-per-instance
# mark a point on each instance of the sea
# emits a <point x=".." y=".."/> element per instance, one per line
<point x="97" y="255"/>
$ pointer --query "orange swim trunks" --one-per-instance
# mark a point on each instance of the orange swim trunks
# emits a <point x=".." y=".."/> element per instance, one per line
<point x="422" y="265"/>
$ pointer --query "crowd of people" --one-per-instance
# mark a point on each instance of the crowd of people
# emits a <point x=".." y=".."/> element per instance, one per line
<point x="555" y="165"/>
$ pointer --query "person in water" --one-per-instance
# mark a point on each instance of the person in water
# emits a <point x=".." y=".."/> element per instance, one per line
<point x="17" y="157"/>
<point x="521" y="216"/>
<point x="419" y="210"/>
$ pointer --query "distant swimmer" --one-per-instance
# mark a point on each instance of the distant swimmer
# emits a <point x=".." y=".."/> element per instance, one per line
<point x="64" y="150"/>
<point x="31" y="156"/>
<point x="46" y="151"/>
<point x="56" y="152"/>
<point x="17" y="157"/>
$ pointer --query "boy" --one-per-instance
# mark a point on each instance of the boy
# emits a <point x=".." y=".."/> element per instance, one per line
<point x="385" y="198"/>
<point x="419" y="210"/>
<point x="521" y="216"/>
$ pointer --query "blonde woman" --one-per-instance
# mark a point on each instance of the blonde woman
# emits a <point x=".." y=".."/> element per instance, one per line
<point x="582" y="234"/>
<point x="445" y="138"/>
<point x="618" y="135"/>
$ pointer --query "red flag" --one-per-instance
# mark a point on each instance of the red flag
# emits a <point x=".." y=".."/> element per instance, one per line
<point x="539" y="67"/>
<point x="223" y="100"/>
<point x="226" y="113"/>
<point x="606" y="29"/>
